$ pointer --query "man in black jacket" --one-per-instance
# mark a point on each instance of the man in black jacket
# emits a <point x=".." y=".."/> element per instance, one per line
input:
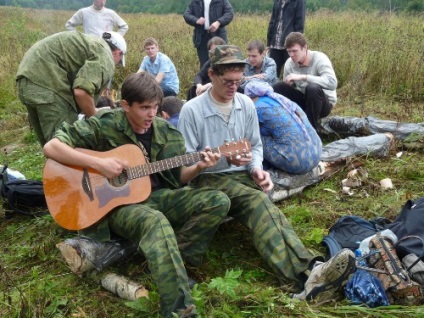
<point x="287" y="16"/>
<point x="209" y="18"/>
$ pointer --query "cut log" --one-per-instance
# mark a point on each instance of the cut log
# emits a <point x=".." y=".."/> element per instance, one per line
<point x="73" y="257"/>
<point x="123" y="287"/>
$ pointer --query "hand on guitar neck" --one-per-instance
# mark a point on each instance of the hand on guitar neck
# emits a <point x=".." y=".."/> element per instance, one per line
<point x="208" y="158"/>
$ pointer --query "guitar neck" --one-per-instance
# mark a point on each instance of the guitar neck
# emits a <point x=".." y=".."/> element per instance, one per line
<point x="165" y="164"/>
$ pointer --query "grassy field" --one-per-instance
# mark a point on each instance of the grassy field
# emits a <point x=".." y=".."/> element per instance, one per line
<point x="378" y="61"/>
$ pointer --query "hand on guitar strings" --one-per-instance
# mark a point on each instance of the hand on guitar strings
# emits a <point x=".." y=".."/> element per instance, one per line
<point x="111" y="167"/>
<point x="240" y="159"/>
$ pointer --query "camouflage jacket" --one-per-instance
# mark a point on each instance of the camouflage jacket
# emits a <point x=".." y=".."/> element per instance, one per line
<point x="68" y="60"/>
<point x="111" y="129"/>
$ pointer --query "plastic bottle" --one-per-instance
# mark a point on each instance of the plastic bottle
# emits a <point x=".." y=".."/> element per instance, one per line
<point x="358" y="255"/>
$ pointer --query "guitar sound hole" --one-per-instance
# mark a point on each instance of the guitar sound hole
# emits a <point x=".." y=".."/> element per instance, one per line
<point x="119" y="181"/>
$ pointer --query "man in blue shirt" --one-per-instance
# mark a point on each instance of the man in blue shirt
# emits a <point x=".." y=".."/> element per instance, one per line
<point x="161" y="67"/>
<point x="259" y="67"/>
<point x="170" y="109"/>
<point x="221" y="113"/>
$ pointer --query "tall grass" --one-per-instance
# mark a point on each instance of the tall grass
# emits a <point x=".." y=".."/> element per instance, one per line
<point x="378" y="60"/>
<point x="372" y="53"/>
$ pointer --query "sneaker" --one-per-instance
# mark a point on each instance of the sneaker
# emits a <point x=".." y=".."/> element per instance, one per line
<point x="327" y="279"/>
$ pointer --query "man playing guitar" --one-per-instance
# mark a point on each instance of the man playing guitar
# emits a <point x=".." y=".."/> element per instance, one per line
<point x="174" y="224"/>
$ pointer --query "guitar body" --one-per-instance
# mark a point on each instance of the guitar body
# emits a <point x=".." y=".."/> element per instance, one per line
<point x="78" y="198"/>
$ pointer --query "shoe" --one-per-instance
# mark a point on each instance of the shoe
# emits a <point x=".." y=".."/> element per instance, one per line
<point x="328" y="279"/>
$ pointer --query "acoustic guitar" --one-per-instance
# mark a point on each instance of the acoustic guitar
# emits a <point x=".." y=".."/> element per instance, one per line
<point x="79" y="197"/>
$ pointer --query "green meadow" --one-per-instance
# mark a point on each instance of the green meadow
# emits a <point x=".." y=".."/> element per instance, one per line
<point x="378" y="59"/>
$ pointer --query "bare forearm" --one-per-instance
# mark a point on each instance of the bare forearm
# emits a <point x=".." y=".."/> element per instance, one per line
<point x="85" y="102"/>
<point x="189" y="173"/>
<point x="160" y="77"/>
<point x="61" y="152"/>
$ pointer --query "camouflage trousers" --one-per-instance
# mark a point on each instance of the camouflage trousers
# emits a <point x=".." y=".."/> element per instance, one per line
<point x="46" y="109"/>
<point x="273" y="236"/>
<point x="172" y="226"/>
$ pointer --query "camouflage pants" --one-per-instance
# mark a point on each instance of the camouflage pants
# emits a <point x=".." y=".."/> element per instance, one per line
<point x="46" y="109"/>
<point x="171" y="221"/>
<point x="273" y="236"/>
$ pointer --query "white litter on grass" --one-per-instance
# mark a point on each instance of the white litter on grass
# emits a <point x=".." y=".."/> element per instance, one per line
<point x="386" y="184"/>
<point x="330" y="190"/>
<point x="399" y="154"/>
<point x="351" y="183"/>
<point x="346" y="190"/>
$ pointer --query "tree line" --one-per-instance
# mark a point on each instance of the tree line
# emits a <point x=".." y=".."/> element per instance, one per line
<point x="240" y="6"/>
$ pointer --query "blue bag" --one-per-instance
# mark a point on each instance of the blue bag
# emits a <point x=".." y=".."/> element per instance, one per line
<point x="365" y="288"/>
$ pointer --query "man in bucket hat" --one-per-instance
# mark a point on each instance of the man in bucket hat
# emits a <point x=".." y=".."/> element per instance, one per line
<point x="221" y="113"/>
<point x="63" y="75"/>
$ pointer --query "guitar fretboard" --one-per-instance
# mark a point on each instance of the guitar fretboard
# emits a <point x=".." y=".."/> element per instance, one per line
<point x="165" y="164"/>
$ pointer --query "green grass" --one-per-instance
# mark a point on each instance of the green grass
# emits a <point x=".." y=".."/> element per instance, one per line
<point x="378" y="62"/>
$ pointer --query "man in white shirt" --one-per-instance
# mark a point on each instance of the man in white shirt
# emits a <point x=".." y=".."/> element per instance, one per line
<point x="309" y="79"/>
<point x="97" y="19"/>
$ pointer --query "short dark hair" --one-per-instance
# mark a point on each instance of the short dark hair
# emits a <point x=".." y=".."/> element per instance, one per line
<point x="141" y="87"/>
<point x="104" y="101"/>
<point x="256" y="45"/>
<point x="171" y="105"/>
<point x="295" y="38"/>
<point x="216" y="40"/>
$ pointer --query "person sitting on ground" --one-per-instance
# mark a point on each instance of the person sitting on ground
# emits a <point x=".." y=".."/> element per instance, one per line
<point x="309" y="79"/>
<point x="170" y="109"/>
<point x="62" y="76"/>
<point x="259" y="67"/>
<point x="97" y="19"/>
<point x="161" y="67"/>
<point x="175" y="224"/>
<point x="290" y="142"/>
<point x="223" y="114"/>
<point x="202" y="81"/>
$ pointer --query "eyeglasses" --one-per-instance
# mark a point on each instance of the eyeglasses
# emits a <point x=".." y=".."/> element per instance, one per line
<point x="231" y="83"/>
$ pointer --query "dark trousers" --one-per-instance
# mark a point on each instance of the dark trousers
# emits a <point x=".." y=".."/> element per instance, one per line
<point x="202" y="50"/>
<point x="167" y="91"/>
<point x="314" y="102"/>
<point x="191" y="93"/>
<point x="280" y="57"/>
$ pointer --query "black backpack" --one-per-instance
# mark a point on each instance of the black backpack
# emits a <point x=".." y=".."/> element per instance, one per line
<point x="22" y="196"/>
<point x="408" y="226"/>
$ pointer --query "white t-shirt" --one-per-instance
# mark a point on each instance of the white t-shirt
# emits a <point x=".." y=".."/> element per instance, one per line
<point x="207" y="22"/>
<point x="97" y="21"/>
